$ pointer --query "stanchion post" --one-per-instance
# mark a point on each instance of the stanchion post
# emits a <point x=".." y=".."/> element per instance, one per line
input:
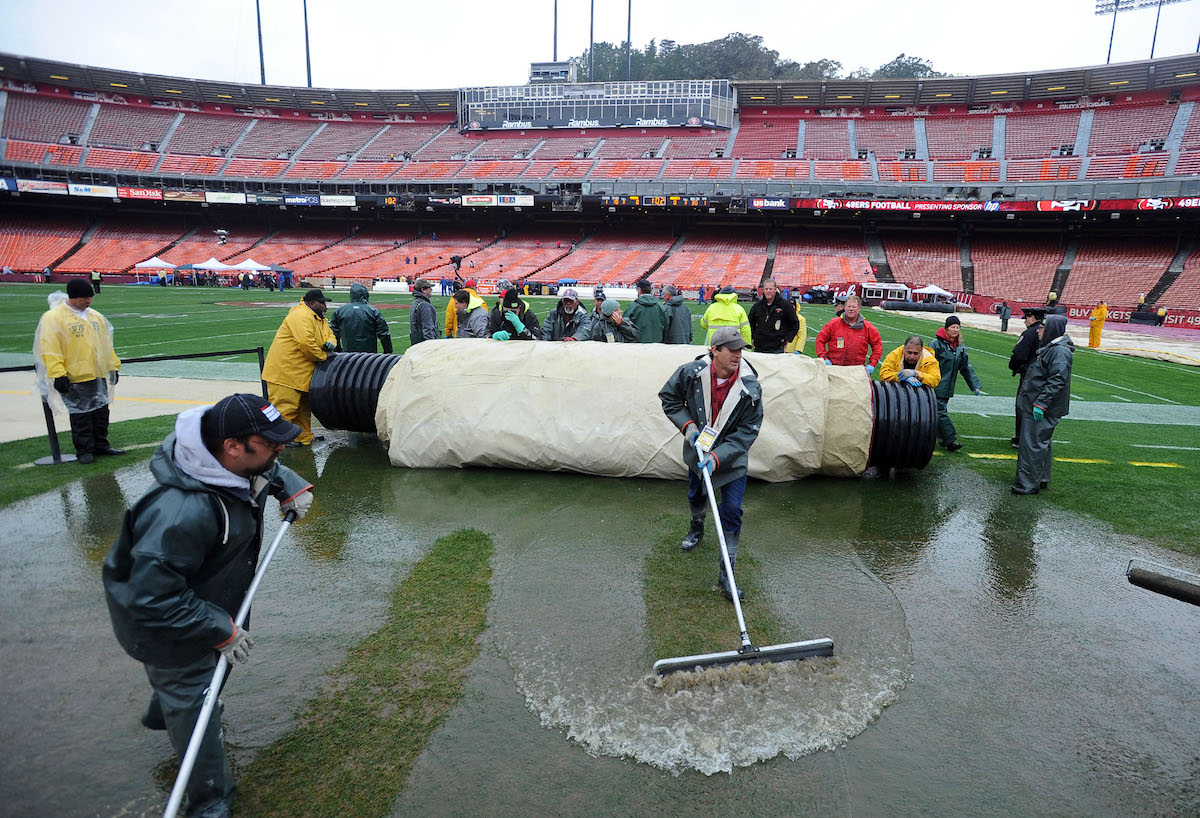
<point x="262" y="362"/>
<point x="56" y="455"/>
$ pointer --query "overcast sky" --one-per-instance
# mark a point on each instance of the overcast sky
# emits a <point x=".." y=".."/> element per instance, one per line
<point x="454" y="43"/>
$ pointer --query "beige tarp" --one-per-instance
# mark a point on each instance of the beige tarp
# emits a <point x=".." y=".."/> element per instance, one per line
<point x="593" y="408"/>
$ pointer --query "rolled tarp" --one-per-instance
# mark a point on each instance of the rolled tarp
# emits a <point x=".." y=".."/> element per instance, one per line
<point x="593" y="408"/>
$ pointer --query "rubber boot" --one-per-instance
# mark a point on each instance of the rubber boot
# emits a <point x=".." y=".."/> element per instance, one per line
<point x="696" y="532"/>
<point x="731" y="545"/>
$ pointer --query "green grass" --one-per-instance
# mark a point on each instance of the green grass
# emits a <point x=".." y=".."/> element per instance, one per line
<point x="19" y="483"/>
<point x="357" y="740"/>
<point x="686" y="614"/>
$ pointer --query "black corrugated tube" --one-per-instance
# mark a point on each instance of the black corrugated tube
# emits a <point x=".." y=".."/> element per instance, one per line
<point x="344" y="392"/>
<point x="905" y="430"/>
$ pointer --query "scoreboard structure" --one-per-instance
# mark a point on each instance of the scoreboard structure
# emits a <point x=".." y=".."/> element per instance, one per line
<point x="651" y="104"/>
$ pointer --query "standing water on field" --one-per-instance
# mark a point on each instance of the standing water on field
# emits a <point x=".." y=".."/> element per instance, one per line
<point x="990" y="657"/>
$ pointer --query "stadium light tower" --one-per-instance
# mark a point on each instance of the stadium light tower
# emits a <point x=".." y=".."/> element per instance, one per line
<point x="307" y="54"/>
<point x="262" y="63"/>
<point x="1114" y="7"/>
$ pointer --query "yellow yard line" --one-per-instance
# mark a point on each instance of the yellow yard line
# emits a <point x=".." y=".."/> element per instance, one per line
<point x="1155" y="465"/>
<point x="992" y="456"/>
<point x="12" y="392"/>
<point x="1081" y="460"/>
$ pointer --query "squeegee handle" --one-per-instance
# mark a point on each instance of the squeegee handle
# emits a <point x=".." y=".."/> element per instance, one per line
<point x="214" y="686"/>
<point x="712" y="501"/>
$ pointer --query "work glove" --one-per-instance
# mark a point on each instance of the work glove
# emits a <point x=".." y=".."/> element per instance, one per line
<point x="870" y="369"/>
<point x="329" y="346"/>
<point x="905" y="374"/>
<point x="978" y="392"/>
<point x="827" y="362"/>
<point x="114" y="376"/>
<point x="387" y="345"/>
<point x="1038" y="413"/>
<point x="515" y="321"/>
<point x="300" y="504"/>
<point x="797" y="352"/>
<point x="708" y="464"/>
<point x="692" y="436"/>
<point x="502" y="335"/>
<point x="62" y="384"/>
<point x="913" y="381"/>
<point x="237" y="647"/>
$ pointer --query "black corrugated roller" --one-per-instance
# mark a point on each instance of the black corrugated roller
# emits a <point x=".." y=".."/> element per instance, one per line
<point x="344" y="392"/>
<point x="905" y="429"/>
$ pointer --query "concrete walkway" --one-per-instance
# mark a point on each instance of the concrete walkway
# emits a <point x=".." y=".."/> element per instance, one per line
<point x="21" y="414"/>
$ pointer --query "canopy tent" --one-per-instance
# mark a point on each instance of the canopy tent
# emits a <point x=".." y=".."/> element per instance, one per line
<point x="250" y="265"/>
<point x="156" y="263"/>
<point x="568" y="282"/>
<point x="933" y="289"/>
<point x="212" y="264"/>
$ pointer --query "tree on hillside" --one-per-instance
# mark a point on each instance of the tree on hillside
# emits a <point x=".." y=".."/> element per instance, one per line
<point x="736" y="56"/>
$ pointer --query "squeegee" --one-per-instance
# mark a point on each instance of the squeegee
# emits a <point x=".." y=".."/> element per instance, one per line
<point x="748" y="653"/>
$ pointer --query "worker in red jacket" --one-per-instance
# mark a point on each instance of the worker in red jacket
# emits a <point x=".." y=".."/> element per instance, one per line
<point x="844" y="341"/>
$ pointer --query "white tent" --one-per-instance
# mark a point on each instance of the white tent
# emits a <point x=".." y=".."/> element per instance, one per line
<point x="213" y="264"/>
<point x="933" y="289"/>
<point x="155" y="263"/>
<point x="250" y="265"/>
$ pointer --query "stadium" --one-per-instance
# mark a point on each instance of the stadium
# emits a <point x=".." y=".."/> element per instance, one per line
<point x="455" y="641"/>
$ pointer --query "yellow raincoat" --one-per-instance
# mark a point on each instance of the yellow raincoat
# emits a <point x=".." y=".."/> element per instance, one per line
<point x="296" y="348"/>
<point x="1098" y="317"/>
<point x="928" y="370"/>
<point x="725" y="311"/>
<point x="452" y="316"/>
<point x="801" y="338"/>
<point x="76" y="346"/>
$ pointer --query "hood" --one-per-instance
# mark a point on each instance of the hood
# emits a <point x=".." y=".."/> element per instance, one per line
<point x="941" y="333"/>
<point x="647" y="300"/>
<point x="183" y="456"/>
<point x="474" y="302"/>
<point x="1056" y="327"/>
<point x="675" y="300"/>
<point x="726" y="298"/>
<point x="359" y="292"/>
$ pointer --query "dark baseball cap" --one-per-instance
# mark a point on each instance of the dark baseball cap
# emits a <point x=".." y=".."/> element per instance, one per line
<point x="315" y="295"/>
<point x="244" y="414"/>
<point x="728" y="337"/>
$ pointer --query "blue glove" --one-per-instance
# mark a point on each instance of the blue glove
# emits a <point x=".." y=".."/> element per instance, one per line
<point x="1038" y="413"/>
<point x="870" y="369"/>
<point x="328" y="346"/>
<point x="913" y="380"/>
<point x="502" y="335"/>
<point x="693" y="436"/>
<point x="797" y="352"/>
<point x="515" y="321"/>
<point x="708" y="464"/>
<point x="978" y="392"/>
<point x="827" y="362"/>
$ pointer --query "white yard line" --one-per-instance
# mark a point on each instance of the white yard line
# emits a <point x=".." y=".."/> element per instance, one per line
<point x="1118" y="397"/>
<point x="1153" y="446"/>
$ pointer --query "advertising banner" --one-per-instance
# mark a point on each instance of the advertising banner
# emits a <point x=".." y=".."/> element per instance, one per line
<point x="265" y="198"/>
<point x="221" y="197"/>
<point x="505" y="200"/>
<point x="303" y="201"/>
<point x="1044" y="206"/>
<point x="445" y="200"/>
<point x="183" y="195"/>
<point x="8" y="183"/>
<point x="631" y="122"/>
<point x="102" y="191"/>
<point x="143" y="193"/>
<point x="478" y="200"/>
<point x="769" y="204"/>
<point x="42" y="186"/>
<point x="337" y="201"/>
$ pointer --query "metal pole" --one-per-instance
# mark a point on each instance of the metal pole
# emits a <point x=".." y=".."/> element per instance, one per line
<point x="56" y="455"/>
<point x="1116" y="8"/>
<point x="592" y="45"/>
<point x="262" y="63"/>
<point x="262" y="362"/>
<point x="307" y="54"/>
<point x="556" y="30"/>
<point x="629" y="44"/>
<point x="1154" y="39"/>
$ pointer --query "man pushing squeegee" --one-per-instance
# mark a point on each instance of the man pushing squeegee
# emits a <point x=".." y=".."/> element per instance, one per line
<point x="716" y="403"/>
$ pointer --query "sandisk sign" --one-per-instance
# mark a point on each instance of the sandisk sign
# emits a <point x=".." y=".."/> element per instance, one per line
<point x="146" y="193"/>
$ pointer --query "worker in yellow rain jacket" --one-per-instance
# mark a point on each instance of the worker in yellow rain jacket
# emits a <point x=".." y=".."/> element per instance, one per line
<point x="74" y="356"/>
<point x="797" y="343"/>
<point x="452" y="312"/>
<point x="725" y="311"/>
<point x="303" y="339"/>
<point x="913" y="364"/>
<point x="1098" y="317"/>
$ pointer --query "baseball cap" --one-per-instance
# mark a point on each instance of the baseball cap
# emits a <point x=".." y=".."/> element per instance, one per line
<point x="315" y="295"/>
<point x="469" y="284"/>
<point x="610" y="306"/>
<point x="598" y="294"/>
<point x="644" y="285"/>
<point x="569" y="292"/>
<point x="728" y="337"/>
<point x="422" y="284"/>
<point x="727" y="290"/>
<point x="244" y="414"/>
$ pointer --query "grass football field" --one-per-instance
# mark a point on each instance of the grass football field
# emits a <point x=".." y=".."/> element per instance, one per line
<point x="1140" y="477"/>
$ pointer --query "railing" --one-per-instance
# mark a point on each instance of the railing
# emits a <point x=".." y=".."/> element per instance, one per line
<point x="56" y="456"/>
